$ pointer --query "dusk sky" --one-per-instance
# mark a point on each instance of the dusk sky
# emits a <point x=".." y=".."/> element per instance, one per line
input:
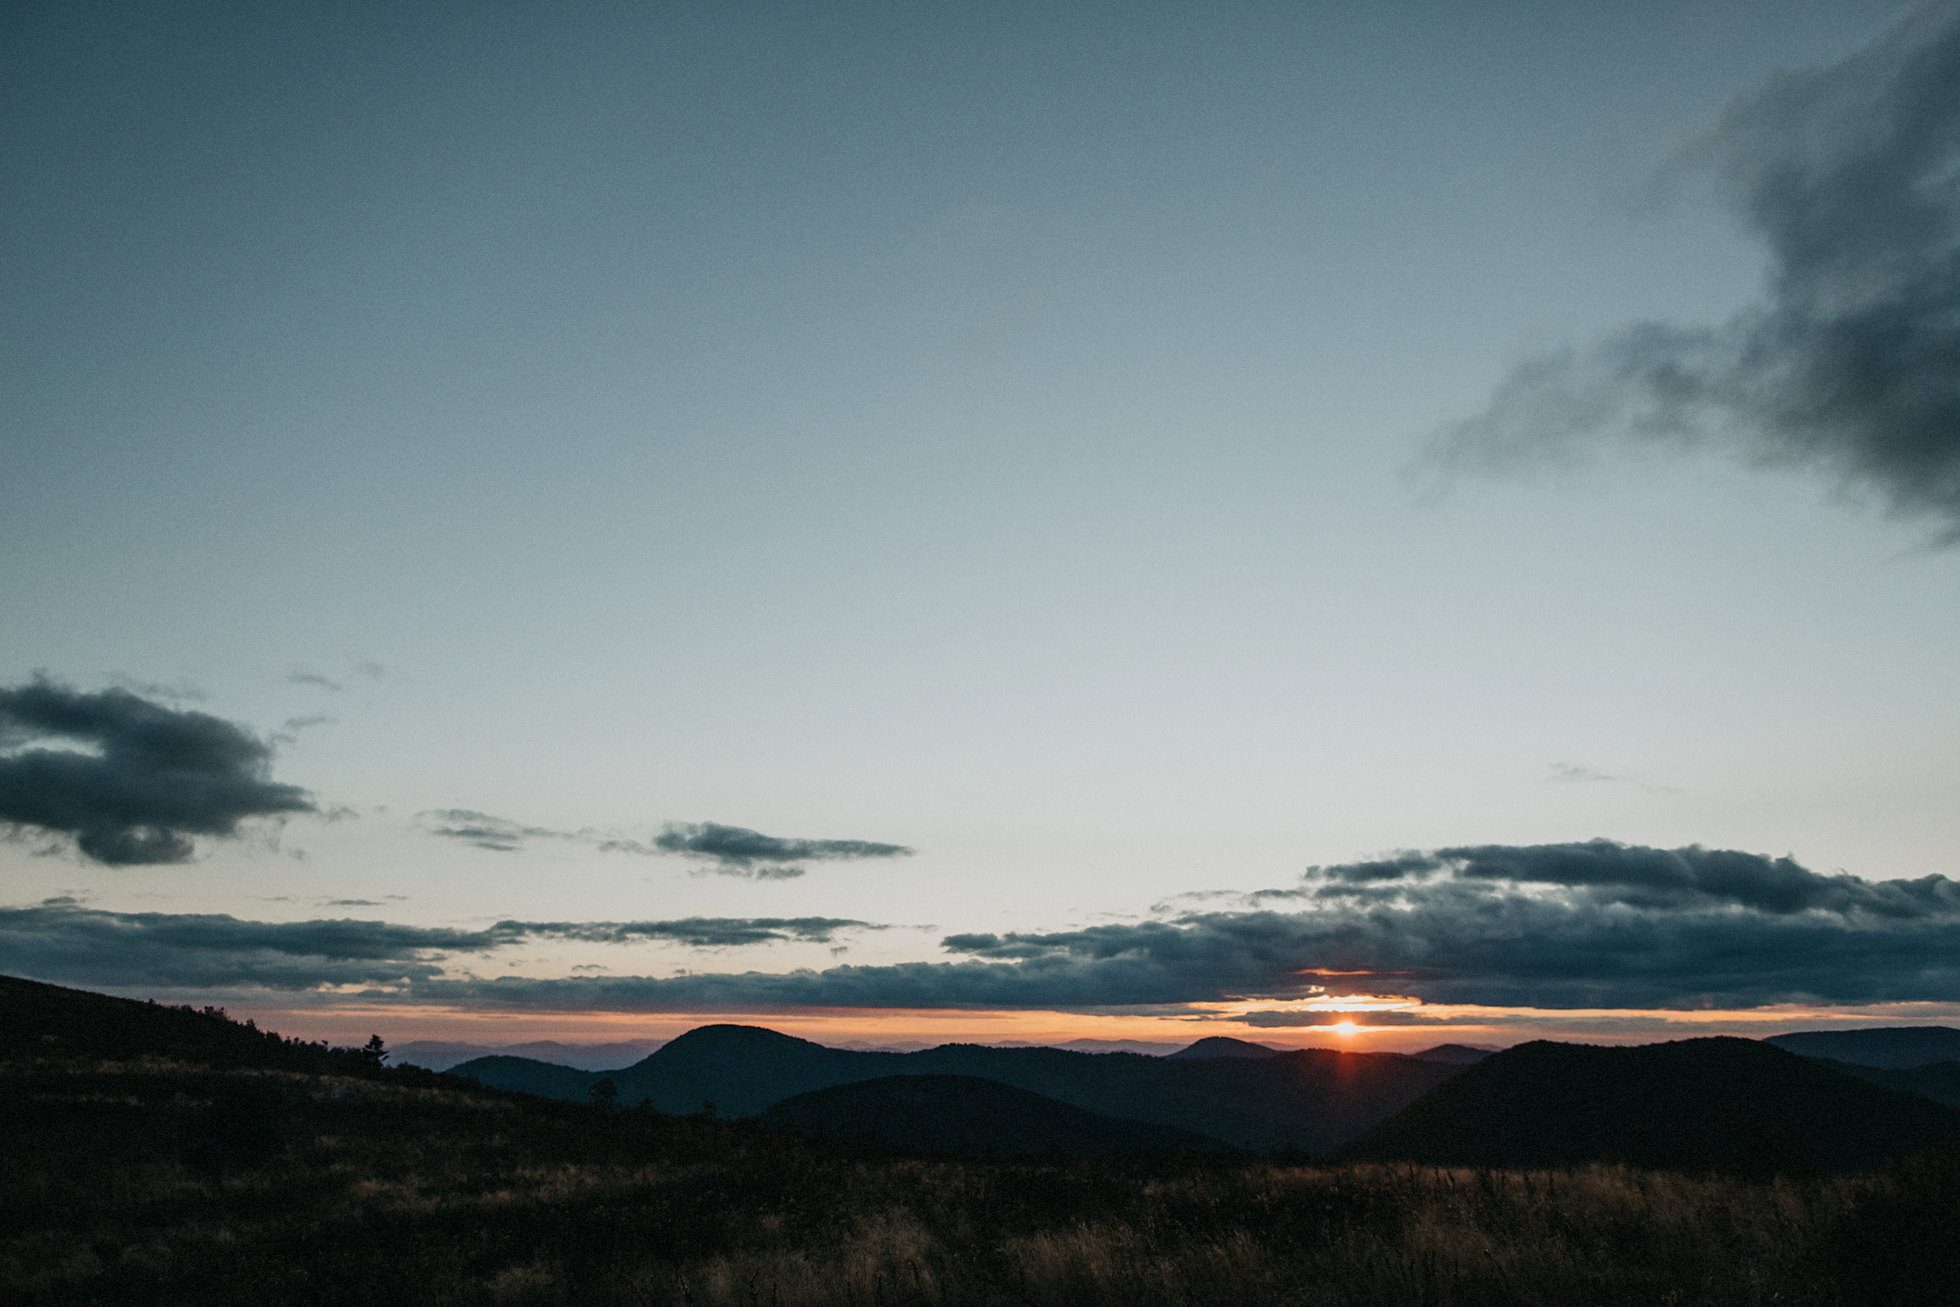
<point x="912" y="522"/>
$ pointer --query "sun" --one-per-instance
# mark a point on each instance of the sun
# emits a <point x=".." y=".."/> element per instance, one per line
<point x="1345" y="1027"/>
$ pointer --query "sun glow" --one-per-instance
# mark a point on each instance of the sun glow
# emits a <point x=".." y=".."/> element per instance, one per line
<point x="1345" y="1028"/>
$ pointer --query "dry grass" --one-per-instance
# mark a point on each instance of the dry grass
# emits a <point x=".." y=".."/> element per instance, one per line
<point x="153" y="1183"/>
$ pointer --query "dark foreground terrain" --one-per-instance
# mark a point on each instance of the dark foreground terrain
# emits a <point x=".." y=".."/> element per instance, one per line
<point x="158" y="1155"/>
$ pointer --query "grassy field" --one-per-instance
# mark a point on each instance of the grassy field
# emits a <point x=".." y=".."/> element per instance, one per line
<point x="163" y="1180"/>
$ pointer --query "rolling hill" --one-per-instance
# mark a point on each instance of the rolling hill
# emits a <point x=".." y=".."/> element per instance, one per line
<point x="1225" y="1046"/>
<point x="1455" y="1054"/>
<point x="57" y="1022"/>
<point x="969" y="1116"/>
<point x="441" y="1054"/>
<point x="1729" y="1105"/>
<point x="1939" y="1081"/>
<point x="1897" y="1047"/>
<point x="1311" y="1100"/>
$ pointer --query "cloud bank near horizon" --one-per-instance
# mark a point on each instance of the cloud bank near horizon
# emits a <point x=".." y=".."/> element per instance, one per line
<point x="1849" y="177"/>
<point x="66" y="941"/>
<point x="1596" y="924"/>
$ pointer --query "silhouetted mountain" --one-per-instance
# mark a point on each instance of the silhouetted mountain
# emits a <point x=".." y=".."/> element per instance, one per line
<point x="1454" y="1054"/>
<point x="545" y="1079"/>
<point x="1148" y="1047"/>
<point x="1886" y="1046"/>
<point x="970" y="1116"/>
<point x="1313" y="1099"/>
<point x="1226" y="1046"/>
<point x="1699" y="1104"/>
<point x="441" y="1054"/>
<point x="1939" y="1081"/>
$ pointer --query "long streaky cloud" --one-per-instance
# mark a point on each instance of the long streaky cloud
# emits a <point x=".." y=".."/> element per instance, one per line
<point x="64" y="940"/>
<point x="739" y="851"/>
<point x="1849" y="177"/>
<point x="695" y="932"/>
<point x="722" y="850"/>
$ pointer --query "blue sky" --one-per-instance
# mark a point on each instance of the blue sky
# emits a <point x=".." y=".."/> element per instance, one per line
<point x="991" y="431"/>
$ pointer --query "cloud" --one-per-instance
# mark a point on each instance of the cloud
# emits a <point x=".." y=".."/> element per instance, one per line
<point x="1609" y="872"/>
<point x="1594" y="924"/>
<point x="60" y="939"/>
<point x="499" y="834"/>
<point x="300" y="676"/>
<point x="1321" y="1018"/>
<point x="1849" y="176"/>
<point x="726" y="850"/>
<point x="174" y="690"/>
<point x="696" y="932"/>
<point x="739" y="851"/>
<point x="143" y="780"/>
<point x="288" y="732"/>
<point x="1124" y="983"/>
<point x="1583" y="925"/>
<point x="1577" y="775"/>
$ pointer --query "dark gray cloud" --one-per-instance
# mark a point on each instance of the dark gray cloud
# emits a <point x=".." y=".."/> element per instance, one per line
<point x="1634" y="875"/>
<point x="695" y="932"/>
<point x="1594" y="924"/>
<point x="499" y="834"/>
<point x="1850" y="178"/>
<point x="723" y="850"/>
<point x="62" y="939"/>
<point x="1583" y="925"/>
<point x="1125" y="984"/>
<point x="739" y="851"/>
<point x="1321" y="1019"/>
<point x="318" y="680"/>
<point x="139" y="780"/>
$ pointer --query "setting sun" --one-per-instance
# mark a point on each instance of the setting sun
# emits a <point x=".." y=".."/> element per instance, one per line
<point x="1345" y="1028"/>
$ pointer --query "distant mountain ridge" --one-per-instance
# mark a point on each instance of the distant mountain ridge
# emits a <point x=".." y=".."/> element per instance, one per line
<point x="1312" y="1100"/>
<point x="1721" y="1104"/>
<point x="1225" y="1046"/>
<point x="441" y="1054"/>
<point x="1897" y="1047"/>
<point x="1458" y="1054"/>
<point x="1732" y="1105"/>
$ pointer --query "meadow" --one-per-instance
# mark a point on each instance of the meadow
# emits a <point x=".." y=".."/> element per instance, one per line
<point x="159" y="1179"/>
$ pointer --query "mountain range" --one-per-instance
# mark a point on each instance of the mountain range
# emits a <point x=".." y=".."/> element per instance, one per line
<point x="1729" y="1105"/>
<point x="441" y="1054"/>
<point x="1311" y="1100"/>
<point x="1720" y="1104"/>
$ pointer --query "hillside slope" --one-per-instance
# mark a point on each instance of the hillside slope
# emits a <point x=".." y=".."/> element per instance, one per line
<point x="1311" y="1100"/>
<point x="972" y="1117"/>
<point x="54" y="1021"/>
<point x="1732" y="1105"/>
<point x="1897" y="1047"/>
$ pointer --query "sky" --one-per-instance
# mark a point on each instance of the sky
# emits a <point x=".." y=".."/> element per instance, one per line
<point x="911" y="522"/>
